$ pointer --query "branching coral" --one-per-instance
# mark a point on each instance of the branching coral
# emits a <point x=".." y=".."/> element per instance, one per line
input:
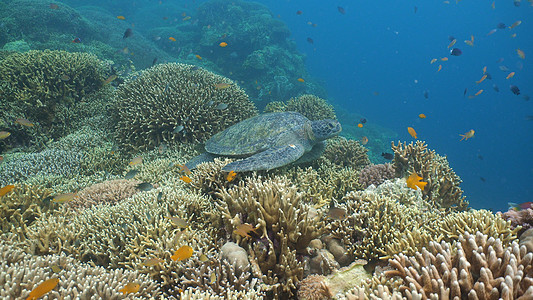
<point x="475" y="267"/>
<point x="284" y="225"/>
<point x="313" y="107"/>
<point x="346" y="153"/>
<point x="40" y="85"/>
<point x="21" y="272"/>
<point x="23" y="206"/>
<point x="172" y="103"/>
<point x="375" y="174"/>
<point x="442" y="189"/>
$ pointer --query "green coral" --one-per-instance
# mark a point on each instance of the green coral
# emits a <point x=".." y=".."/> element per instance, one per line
<point x="152" y="107"/>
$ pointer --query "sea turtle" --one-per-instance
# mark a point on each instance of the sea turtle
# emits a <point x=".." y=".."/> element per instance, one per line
<point x="269" y="141"/>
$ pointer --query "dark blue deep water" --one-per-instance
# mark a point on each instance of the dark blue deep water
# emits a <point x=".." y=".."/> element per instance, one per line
<point x="385" y="48"/>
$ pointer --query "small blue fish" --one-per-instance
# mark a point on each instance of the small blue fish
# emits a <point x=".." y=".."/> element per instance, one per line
<point x="131" y="174"/>
<point x="145" y="186"/>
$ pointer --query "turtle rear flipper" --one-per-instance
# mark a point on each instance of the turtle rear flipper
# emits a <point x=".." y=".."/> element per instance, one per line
<point x="204" y="157"/>
<point x="269" y="159"/>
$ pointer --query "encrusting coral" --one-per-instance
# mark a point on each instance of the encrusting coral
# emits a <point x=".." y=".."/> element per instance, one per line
<point x="171" y="103"/>
<point x="442" y="187"/>
<point x="284" y="226"/>
<point x="21" y="272"/>
<point x="475" y="267"/>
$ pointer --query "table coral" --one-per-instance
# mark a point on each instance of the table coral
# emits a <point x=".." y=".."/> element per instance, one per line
<point x="475" y="267"/>
<point x="443" y="188"/>
<point x="151" y="106"/>
<point x="107" y="192"/>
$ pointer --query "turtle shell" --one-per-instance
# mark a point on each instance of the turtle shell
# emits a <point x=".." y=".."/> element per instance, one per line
<point x="256" y="134"/>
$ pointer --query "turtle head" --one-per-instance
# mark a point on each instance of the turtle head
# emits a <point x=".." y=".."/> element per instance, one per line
<point x="325" y="129"/>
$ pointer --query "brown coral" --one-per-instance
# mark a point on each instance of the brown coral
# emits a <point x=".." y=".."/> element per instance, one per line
<point x="346" y="153"/>
<point x="107" y="192"/>
<point x="283" y="223"/>
<point x="375" y="174"/>
<point x="519" y="218"/>
<point x="313" y="287"/>
<point x="443" y="189"/>
<point x="475" y="267"/>
<point x="171" y="103"/>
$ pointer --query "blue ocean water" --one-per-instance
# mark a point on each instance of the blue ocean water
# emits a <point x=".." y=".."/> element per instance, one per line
<point x="375" y="61"/>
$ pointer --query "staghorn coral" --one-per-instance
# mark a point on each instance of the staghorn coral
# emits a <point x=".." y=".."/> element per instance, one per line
<point x="209" y="179"/>
<point x="23" y="206"/>
<point x="375" y="174"/>
<point x="107" y="192"/>
<point x="443" y="189"/>
<point x="42" y="86"/>
<point x="151" y="106"/>
<point x="313" y="107"/>
<point x="475" y="267"/>
<point x="22" y="272"/>
<point x="284" y="225"/>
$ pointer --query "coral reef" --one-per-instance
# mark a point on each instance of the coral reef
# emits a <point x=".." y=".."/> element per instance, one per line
<point x="346" y="153"/>
<point x="283" y="223"/>
<point x="171" y="103"/>
<point x="22" y="272"/>
<point x="475" y="267"/>
<point x="526" y="239"/>
<point x="375" y="174"/>
<point x="442" y="187"/>
<point x="23" y="206"/>
<point x="313" y="107"/>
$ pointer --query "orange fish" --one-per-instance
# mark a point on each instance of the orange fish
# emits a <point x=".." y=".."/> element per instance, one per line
<point x="515" y="24"/>
<point x="412" y="132"/>
<point x="184" y="170"/>
<point x="223" y="44"/>
<point x="478" y="93"/>
<point x="172" y="39"/>
<point x="469" y="43"/>
<point x="1" y="159"/>
<point x="511" y="75"/>
<point x="6" y="189"/>
<point x="413" y="181"/>
<point x="364" y="140"/>
<point x="136" y="160"/>
<point x="440" y="68"/>
<point x="433" y="60"/>
<point x="422" y="116"/>
<point x="186" y="18"/>
<point x="301" y="80"/>
<point x="121" y="17"/>
<point x="24" y="122"/>
<point x="110" y="79"/>
<point x="244" y="229"/>
<point x="513" y="35"/>
<point x="337" y="213"/>
<point x="360" y="125"/>
<point x="63" y="198"/>
<point x="521" y="54"/>
<point x="444" y="59"/>
<point x="4" y="134"/>
<point x="231" y="176"/>
<point x="130" y="288"/>
<point x="198" y="56"/>
<point x="468" y="135"/>
<point x="187" y="179"/>
<point x="221" y="86"/>
<point x="482" y="78"/>
<point x="43" y="288"/>
<point x="452" y="43"/>
<point x="182" y="253"/>
<point x="484" y="69"/>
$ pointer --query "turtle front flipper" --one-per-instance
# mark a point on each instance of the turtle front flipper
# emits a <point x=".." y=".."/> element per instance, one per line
<point x="269" y="159"/>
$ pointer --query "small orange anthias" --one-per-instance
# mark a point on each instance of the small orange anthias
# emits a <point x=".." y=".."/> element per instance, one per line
<point x="468" y="135"/>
